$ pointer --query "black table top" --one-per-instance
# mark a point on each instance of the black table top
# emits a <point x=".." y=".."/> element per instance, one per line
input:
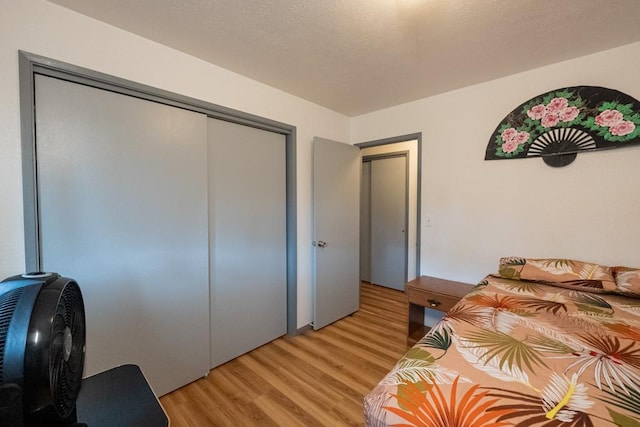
<point x="119" y="397"/>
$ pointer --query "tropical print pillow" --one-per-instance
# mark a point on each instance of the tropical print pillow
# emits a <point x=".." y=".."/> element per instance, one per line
<point x="564" y="273"/>
<point x="627" y="281"/>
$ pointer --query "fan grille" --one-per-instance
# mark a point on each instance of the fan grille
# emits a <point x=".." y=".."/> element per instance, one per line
<point x="66" y="365"/>
<point x="8" y="302"/>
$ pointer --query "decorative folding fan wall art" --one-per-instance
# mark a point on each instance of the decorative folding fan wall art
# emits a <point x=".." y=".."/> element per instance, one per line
<point x="561" y="123"/>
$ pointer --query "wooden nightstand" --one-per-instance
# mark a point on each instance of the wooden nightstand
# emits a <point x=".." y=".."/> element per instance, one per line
<point x="434" y="293"/>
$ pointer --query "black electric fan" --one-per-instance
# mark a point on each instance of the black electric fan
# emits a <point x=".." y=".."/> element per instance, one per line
<point x="42" y="347"/>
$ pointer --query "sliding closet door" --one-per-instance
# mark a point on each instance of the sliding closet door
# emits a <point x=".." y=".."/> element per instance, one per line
<point x="247" y="225"/>
<point x="122" y="186"/>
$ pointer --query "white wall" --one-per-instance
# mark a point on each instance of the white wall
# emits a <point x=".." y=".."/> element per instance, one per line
<point x="482" y="210"/>
<point x="46" y="29"/>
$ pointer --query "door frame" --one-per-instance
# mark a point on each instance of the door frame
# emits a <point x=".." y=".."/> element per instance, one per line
<point x="31" y="64"/>
<point x="404" y="138"/>
<point x="391" y="155"/>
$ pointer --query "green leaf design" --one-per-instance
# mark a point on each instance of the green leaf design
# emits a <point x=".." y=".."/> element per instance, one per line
<point x="522" y="286"/>
<point x="622" y="420"/>
<point x="414" y="363"/>
<point x="564" y="94"/>
<point x="417" y="353"/>
<point x="590" y="123"/>
<point x="549" y="345"/>
<point x="558" y="262"/>
<point x="419" y="366"/>
<point x="607" y="106"/>
<point x="590" y="299"/>
<point x="543" y="305"/>
<point x="511" y="351"/>
<point x="440" y="340"/>
<point x="510" y="273"/>
<point x="593" y="310"/>
<point x="468" y="313"/>
<point x="503" y="128"/>
<point x="514" y="261"/>
<point x="481" y="285"/>
<point x="475" y="356"/>
<point x="575" y="122"/>
<point x="625" y="109"/>
<point x="632" y="135"/>
<point x="629" y="402"/>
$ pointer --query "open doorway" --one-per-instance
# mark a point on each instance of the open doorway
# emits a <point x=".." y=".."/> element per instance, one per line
<point x="390" y="210"/>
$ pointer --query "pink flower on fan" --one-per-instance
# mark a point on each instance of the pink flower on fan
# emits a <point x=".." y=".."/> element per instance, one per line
<point x="557" y="104"/>
<point x="622" y="128"/>
<point x="508" y="134"/>
<point x="569" y="114"/>
<point x="609" y="118"/>
<point x="510" y="146"/>
<point x="537" y="112"/>
<point x="549" y="120"/>
<point x="521" y="137"/>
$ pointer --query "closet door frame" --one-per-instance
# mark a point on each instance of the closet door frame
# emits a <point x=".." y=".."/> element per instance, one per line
<point x="31" y="65"/>
<point x="403" y="138"/>
<point x="391" y="155"/>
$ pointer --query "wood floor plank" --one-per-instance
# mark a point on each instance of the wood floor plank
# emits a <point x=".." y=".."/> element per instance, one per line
<point x="318" y="378"/>
<point x="288" y="389"/>
<point x="330" y="376"/>
<point x="355" y="361"/>
<point x="327" y="387"/>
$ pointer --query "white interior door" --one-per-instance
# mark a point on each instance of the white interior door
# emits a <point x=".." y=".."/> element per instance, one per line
<point x="123" y="210"/>
<point x="389" y="222"/>
<point x="336" y="207"/>
<point x="247" y="226"/>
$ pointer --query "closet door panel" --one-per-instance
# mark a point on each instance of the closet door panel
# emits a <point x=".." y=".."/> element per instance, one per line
<point x="389" y="222"/>
<point x="122" y="185"/>
<point x="247" y="223"/>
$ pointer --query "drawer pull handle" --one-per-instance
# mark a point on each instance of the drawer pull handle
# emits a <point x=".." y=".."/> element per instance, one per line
<point x="433" y="302"/>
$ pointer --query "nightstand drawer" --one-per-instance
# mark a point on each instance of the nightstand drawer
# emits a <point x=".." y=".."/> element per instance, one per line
<point x="430" y="292"/>
<point x="431" y="300"/>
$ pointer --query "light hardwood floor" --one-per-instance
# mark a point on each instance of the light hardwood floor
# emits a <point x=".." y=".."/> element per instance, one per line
<point x="318" y="378"/>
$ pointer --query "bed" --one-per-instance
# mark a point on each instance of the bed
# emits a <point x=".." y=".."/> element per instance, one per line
<point x="545" y="342"/>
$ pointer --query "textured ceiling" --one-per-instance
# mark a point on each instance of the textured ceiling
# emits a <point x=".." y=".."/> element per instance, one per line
<point x="358" y="56"/>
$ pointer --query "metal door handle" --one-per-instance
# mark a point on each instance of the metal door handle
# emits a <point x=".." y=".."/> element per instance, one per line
<point x="321" y="244"/>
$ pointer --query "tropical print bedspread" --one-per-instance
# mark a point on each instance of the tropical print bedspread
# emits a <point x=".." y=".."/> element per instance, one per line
<point x="519" y="353"/>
